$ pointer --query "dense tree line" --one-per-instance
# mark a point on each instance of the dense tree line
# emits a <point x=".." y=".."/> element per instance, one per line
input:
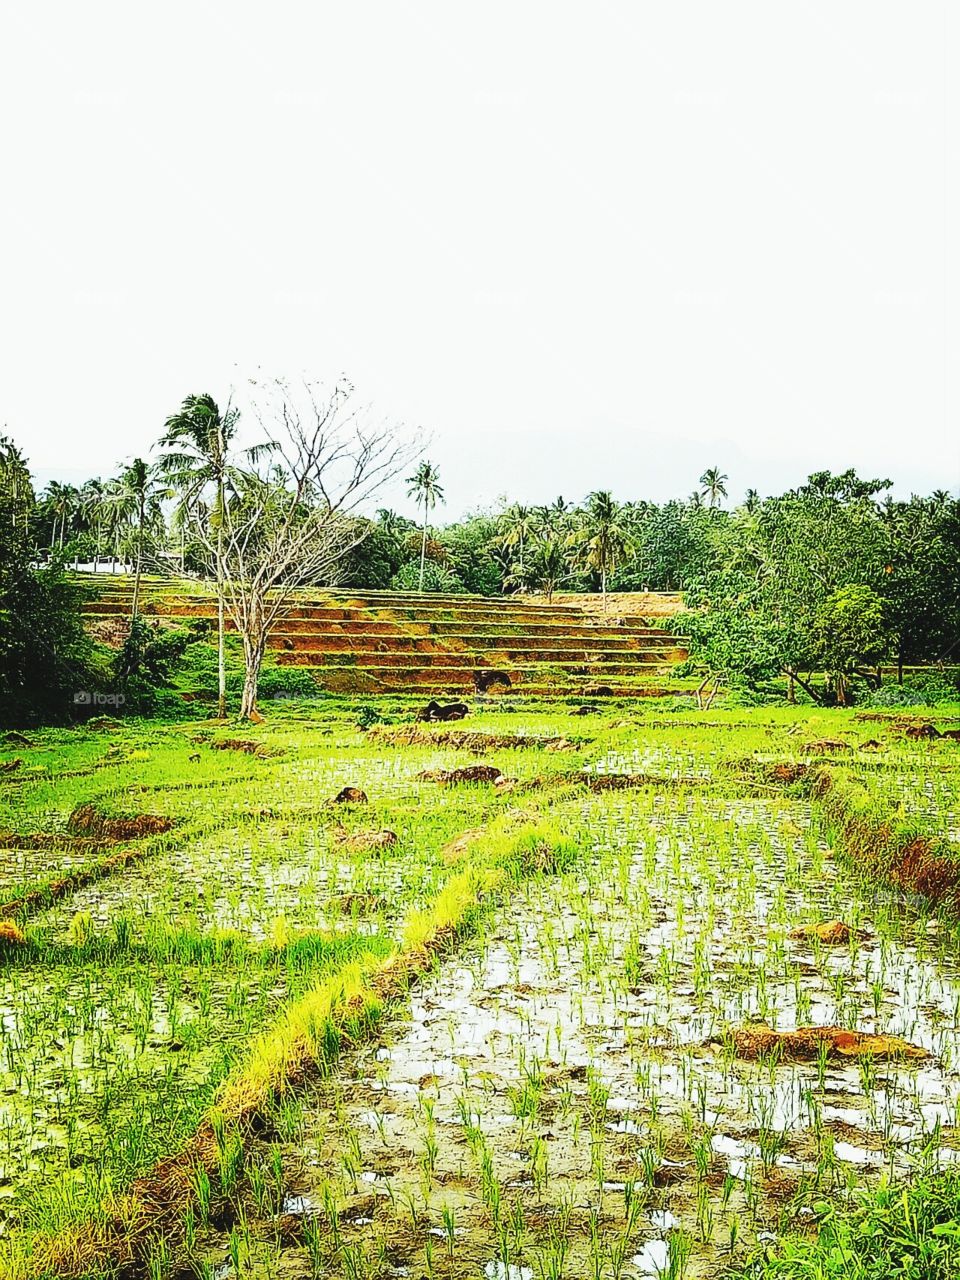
<point x="832" y="578"/>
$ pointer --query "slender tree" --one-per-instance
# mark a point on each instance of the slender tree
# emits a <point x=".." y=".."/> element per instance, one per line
<point x="137" y="497"/>
<point x="425" y="488"/>
<point x="195" y="456"/>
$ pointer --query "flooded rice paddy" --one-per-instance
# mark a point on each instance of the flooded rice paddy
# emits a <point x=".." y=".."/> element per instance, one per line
<point x="563" y="1094"/>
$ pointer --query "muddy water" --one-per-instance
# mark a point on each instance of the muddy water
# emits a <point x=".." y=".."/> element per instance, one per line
<point x="246" y="880"/>
<point x="94" y="1062"/>
<point x="562" y="1094"/>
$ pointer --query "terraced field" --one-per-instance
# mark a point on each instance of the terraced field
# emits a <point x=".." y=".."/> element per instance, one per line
<point x="434" y="644"/>
<point x="613" y="1001"/>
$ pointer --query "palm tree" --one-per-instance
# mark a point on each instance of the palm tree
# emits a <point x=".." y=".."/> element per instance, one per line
<point x="604" y="538"/>
<point x="519" y="524"/>
<point x="196" y="456"/>
<point x="424" y="486"/>
<point x="92" y="505"/>
<point x="15" y="481"/>
<point x="751" y="501"/>
<point x="62" y="502"/>
<point x="136" y="498"/>
<point x="548" y="566"/>
<point x="714" y="485"/>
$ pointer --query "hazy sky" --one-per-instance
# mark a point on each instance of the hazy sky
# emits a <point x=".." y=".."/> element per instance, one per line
<point x="583" y="245"/>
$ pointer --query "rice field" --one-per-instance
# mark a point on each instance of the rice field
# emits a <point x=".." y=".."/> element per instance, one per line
<point x="617" y="1002"/>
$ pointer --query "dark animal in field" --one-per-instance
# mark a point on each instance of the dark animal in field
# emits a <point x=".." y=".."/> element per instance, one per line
<point x="10" y="766"/>
<point x="452" y="711"/>
<point x="953" y="734"/>
<point x="16" y="739"/>
<point x="350" y="795"/>
<point x="601" y="691"/>
<point x="288" y="643"/>
<point x="195" y="757"/>
<point x="585" y="710"/>
<point x="485" y="680"/>
<point x="922" y="731"/>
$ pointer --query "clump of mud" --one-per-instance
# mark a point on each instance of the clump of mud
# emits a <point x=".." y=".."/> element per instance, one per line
<point x="362" y="841"/>
<point x="487" y="773"/>
<point x="238" y="744"/>
<point x="11" y="934"/>
<point x="102" y="724"/>
<point x="831" y="932"/>
<point x="88" y="820"/>
<point x="806" y="1044"/>
<point x="350" y="795"/>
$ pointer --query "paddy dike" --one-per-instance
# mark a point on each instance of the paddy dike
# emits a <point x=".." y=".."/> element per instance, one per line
<point x="381" y="642"/>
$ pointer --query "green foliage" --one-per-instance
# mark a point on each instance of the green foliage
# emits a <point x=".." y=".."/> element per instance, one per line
<point x="848" y="631"/>
<point x="46" y="658"/>
<point x="145" y="663"/>
<point x="924" y="689"/>
<point x="436" y="577"/>
<point x="909" y="1232"/>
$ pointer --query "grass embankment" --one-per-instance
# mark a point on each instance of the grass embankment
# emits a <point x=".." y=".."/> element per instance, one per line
<point x="154" y="1214"/>
<point x="885" y="845"/>
<point x="910" y="1231"/>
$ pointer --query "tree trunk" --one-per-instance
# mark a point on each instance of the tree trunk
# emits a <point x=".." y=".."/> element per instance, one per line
<point x="791" y="688"/>
<point x="254" y="645"/>
<point x="221" y="651"/>
<point x="423" y="548"/>
<point x="900" y="664"/>
<point x="804" y="686"/>
<point x="136" y="580"/>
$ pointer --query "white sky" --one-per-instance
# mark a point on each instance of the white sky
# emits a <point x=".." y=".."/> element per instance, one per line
<point x="592" y="245"/>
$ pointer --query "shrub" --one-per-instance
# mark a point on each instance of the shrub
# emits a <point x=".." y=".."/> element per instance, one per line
<point x="436" y="577"/>
<point x="925" y="689"/>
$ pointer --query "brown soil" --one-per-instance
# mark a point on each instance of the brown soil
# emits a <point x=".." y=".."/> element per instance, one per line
<point x="235" y="744"/>
<point x="921" y="864"/>
<point x="470" y="773"/>
<point x="824" y="745"/>
<point x="111" y="632"/>
<point x="628" y="781"/>
<point x="364" y="840"/>
<point x="807" y="1043"/>
<point x="11" y="934"/>
<point x="465" y="739"/>
<point x="350" y="795"/>
<point x="787" y="772"/>
<point x="10" y="766"/>
<point x="831" y="932"/>
<point x="88" y="820"/>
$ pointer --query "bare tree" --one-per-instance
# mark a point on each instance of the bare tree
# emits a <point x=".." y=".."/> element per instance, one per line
<point x="292" y="518"/>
